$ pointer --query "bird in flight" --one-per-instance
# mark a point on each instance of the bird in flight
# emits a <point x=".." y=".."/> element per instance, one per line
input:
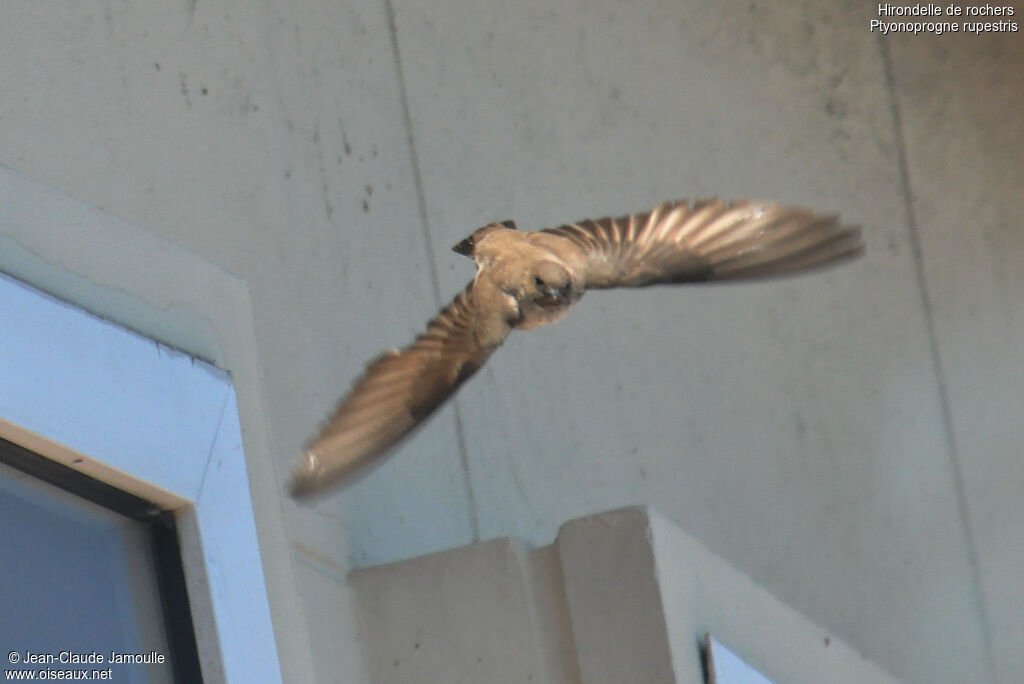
<point x="526" y="280"/>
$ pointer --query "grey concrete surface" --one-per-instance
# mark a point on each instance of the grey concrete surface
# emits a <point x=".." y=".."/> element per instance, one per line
<point x="848" y="440"/>
<point x="459" y="616"/>
<point x="959" y="102"/>
<point x="621" y="596"/>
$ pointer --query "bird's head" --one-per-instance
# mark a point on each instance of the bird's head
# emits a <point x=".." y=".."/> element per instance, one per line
<point x="468" y="246"/>
<point x="550" y="285"/>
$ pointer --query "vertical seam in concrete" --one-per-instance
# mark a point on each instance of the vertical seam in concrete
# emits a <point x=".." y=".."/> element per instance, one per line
<point x="933" y="349"/>
<point x="421" y="202"/>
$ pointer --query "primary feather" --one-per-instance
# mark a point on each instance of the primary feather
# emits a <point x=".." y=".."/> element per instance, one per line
<point x="679" y="242"/>
<point x="397" y="391"/>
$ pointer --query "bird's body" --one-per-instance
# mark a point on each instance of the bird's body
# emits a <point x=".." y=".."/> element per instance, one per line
<point x="508" y="289"/>
<point x="526" y="280"/>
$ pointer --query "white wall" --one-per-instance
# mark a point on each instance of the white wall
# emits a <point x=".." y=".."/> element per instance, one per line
<point x="848" y="440"/>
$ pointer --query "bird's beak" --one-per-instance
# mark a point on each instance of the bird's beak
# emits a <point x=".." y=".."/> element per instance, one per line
<point x="465" y="247"/>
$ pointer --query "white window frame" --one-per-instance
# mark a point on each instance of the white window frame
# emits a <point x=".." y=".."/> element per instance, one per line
<point x="160" y="425"/>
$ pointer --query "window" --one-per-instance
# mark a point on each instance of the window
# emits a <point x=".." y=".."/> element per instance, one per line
<point x="160" y="431"/>
<point x="725" y="667"/>
<point x="89" y="579"/>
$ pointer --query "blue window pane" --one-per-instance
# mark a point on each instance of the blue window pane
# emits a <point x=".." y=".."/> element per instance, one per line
<point x="75" y="578"/>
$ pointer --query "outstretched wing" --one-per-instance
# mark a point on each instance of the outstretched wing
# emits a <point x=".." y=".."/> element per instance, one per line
<point x="707" y="240"/>
<point x="397" y="392"/>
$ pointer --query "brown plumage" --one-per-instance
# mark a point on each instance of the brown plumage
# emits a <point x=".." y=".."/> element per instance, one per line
<point x="525" y="280"/>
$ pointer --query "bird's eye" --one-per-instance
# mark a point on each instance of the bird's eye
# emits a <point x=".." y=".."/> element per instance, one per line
<point x="538" y="281"/>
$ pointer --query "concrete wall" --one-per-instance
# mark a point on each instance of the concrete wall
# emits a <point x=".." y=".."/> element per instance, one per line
<point x="850" y="440"/>
<point x="623" y="596"/>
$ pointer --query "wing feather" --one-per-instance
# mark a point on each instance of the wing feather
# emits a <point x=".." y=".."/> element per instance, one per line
<point x="705" y="240"/>
<point x="396" y="393"/>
